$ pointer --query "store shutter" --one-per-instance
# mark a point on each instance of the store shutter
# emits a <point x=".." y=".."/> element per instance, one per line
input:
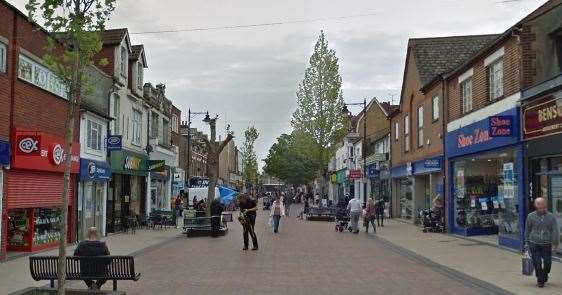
<point x="27" y="189"/>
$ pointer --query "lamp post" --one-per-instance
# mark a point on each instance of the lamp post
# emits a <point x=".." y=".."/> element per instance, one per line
<point x="189" y="114"/>
<point x="364" y="144"/>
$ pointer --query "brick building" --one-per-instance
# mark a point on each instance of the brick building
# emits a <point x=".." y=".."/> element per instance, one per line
<point x="32" y="187"/>
<point x="486" y="158"/>
<point x="418" y="126"/>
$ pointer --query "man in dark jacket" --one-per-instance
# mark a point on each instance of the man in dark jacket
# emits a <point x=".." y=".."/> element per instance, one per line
<point x="542" y="237"/>
<point x="92" y="247"/>
<point x="216" y="212"/>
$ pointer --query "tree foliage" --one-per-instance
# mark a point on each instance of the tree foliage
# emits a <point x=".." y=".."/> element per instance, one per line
<point x="288" y="159"/>
<point x="77" y="26"/>
<point x="249" y="158"/>
<point x="319" y="105"/>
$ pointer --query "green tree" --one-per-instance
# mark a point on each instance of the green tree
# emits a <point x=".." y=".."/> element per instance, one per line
<point x="78" y="25"/>
<point x="319" y="106"/>
<point x="249" y="158"/>
<point x="288" y="161"/>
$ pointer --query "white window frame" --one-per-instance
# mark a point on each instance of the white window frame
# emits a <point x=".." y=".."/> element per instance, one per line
<point x="92" y="126"/>
<point x="123" y="61"/>
<point x="435" y="107"/>
<point x="407" y="133"/>
<point x="140" y="68"/>
<point x="175" y="126"/>
<point x="137" y="127"/>
<point x="466" y="95"/>
<point x="495" y="79"/>
<point x="3" y="57"/>
<point x="420" y="126"/>
<point x="396" y="131"/>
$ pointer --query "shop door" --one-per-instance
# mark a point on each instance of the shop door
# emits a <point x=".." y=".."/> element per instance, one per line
<point x="556" y="197"/>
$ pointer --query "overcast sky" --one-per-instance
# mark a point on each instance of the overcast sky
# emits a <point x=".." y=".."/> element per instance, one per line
<point x="248" y="76"/>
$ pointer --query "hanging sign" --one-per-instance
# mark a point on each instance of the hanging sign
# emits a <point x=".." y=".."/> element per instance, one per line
<point x="114" y="142"/>
<point x="355" y="174"/>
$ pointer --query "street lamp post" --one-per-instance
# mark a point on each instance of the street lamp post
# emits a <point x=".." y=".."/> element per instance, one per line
<point x="189" y="114"/>
<point x="363" y="145"/>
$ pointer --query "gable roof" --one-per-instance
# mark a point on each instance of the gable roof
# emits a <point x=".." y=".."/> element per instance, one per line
<point x="437" y="56"/>
<point x="138" y="53"/>
<point x="113" y="36"/>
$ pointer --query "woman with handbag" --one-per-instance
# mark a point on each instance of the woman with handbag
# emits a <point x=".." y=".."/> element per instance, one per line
<point x="276" y="212"/>
<point x="370" y="216"/>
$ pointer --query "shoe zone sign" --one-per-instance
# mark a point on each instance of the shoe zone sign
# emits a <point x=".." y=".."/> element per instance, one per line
<point x="489" y="133"/>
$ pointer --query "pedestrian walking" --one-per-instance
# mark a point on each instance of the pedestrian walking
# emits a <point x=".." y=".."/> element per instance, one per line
<point x="542" y="237"/>
<point x="370" y="215"/>
<point x="276" y="212"/>
<point x="354" y="207"/>
<point x="90" y="248"/>
<point x="248" y="208"/>
<point x="379" y="212"/>
<point x="287" y="202"/>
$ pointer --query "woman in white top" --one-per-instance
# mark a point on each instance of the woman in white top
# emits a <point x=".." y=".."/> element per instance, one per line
<point x="277" y="210"/>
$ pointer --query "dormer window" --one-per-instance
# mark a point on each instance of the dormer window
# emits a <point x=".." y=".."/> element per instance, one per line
<point x="139" y="75"/>
<point x="123" y="64"/>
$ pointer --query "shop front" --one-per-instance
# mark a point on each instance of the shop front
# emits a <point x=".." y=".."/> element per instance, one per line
<point x="160" y="185"/>
<point x="92" y="196"/>
<point x="486" y="171"/>
<point x="542" y="134"/>
<point x="126" y="198"/>
<point x="4" y="163"/>
<point x="34" y="190"/>
<point x="415" y="184"/>
<point x="341" y="180"/>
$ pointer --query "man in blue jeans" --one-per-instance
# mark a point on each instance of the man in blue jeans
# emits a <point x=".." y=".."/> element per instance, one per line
<point x="354" y="206"/>
<point x="542" y="237"/>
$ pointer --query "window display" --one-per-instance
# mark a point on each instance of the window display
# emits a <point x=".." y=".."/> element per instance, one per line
<point x="33" y="229"/>
<point x="485" y="193"/>
<point x="47" y="226"/>
<point x="18" y="228"/>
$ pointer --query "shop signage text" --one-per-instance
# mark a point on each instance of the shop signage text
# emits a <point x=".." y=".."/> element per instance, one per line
<point x="501" y="126"/>
<point x="114" y="142"/>
<point x="355" y="174"/>
<point x="91" y="170"/>
<point x="477" y="137"/>
<point x="432" y="163"/>
<point x="44" y="152"/>
<point x="543" y="117"/>
<point x="132" y="163"/>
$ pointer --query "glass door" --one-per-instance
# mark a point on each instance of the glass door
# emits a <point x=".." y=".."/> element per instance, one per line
<point x="555" y="202"/>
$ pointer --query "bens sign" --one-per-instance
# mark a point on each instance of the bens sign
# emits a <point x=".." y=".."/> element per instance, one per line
<point x="34" y="150"/>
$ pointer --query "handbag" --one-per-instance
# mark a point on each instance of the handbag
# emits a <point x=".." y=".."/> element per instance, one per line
<point x="527" y="267"/>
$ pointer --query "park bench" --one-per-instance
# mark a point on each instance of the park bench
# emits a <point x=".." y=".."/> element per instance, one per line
<point x="194" y="222"/>
<point x="80" y="268"/>
<point x="321" y="213"/>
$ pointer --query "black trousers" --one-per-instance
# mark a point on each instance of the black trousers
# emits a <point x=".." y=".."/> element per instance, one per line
<point x="380" y="218"/>
<point x="542" y="260"/>
<point x="249" y="230"/>
<point x="215" y="225"/>
<point x="90" y="283"/>
<point x="372" y="221"/>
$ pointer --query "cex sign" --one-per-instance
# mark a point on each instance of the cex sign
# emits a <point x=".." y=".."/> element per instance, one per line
<point x="34" y="150"/>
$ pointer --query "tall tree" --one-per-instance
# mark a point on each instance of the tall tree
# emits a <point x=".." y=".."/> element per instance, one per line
<point x="78" y="25"/>
<point x="249" y="158"/>
<point x="319" y="106"/>
<point x="288" y="161"/>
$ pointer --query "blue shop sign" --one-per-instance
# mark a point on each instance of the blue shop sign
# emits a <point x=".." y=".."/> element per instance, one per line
<point x="477" y="137"/>
<point x="372" y="171"/>
<point x="4" y="153"/>
<point x="114" y="142"/>
<point x="433" y="163"/>
<point x="91" y="170"/>
<point x="500" y="126"/>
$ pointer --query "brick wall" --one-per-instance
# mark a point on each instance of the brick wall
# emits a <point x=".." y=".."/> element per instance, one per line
<point x="107" y="53"/>
<point x="378" y="125"/>
<point x="6" y="31"/>
<point x="480" y="97"/>
<point x="412" y="99"/>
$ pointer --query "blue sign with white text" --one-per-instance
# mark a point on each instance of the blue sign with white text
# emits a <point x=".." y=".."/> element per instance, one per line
<point x="372" y="171"/>
<point x="114" y="142"/>
<point x="91" y="170"/>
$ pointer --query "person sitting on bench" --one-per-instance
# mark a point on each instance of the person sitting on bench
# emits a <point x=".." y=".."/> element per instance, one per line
<point x="92" y="247"/>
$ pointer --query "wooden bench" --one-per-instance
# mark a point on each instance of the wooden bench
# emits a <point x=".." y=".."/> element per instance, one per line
<point x="323" y="213"/>
<point x="80" y="268"/>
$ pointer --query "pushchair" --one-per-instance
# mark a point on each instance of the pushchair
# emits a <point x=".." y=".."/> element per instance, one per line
<point x="342" y="220"/>
<point x="431" y="221"/>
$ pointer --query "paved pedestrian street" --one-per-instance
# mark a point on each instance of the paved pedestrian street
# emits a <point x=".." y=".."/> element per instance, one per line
<point x="304" y="258"/>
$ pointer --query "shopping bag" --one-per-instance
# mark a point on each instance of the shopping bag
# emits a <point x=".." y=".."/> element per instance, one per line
<point x="270" y="222"/>
<point x="527" y="264"/>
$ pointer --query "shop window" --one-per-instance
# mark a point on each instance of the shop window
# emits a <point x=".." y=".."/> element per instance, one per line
<point x="435" y="108"/>
<point x="466" y="94"/>
<point x="94" y="131"/>
<point x="3" y="55"/>
<point x="486" y="194"/>
<point x="495" y="79"/>
<point x="406" y="133"/>
<point x="420" y="126"/>
<point x="137" y="127"/>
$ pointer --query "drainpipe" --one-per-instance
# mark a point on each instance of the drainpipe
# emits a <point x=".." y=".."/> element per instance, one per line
<point x="445" y="179"/>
